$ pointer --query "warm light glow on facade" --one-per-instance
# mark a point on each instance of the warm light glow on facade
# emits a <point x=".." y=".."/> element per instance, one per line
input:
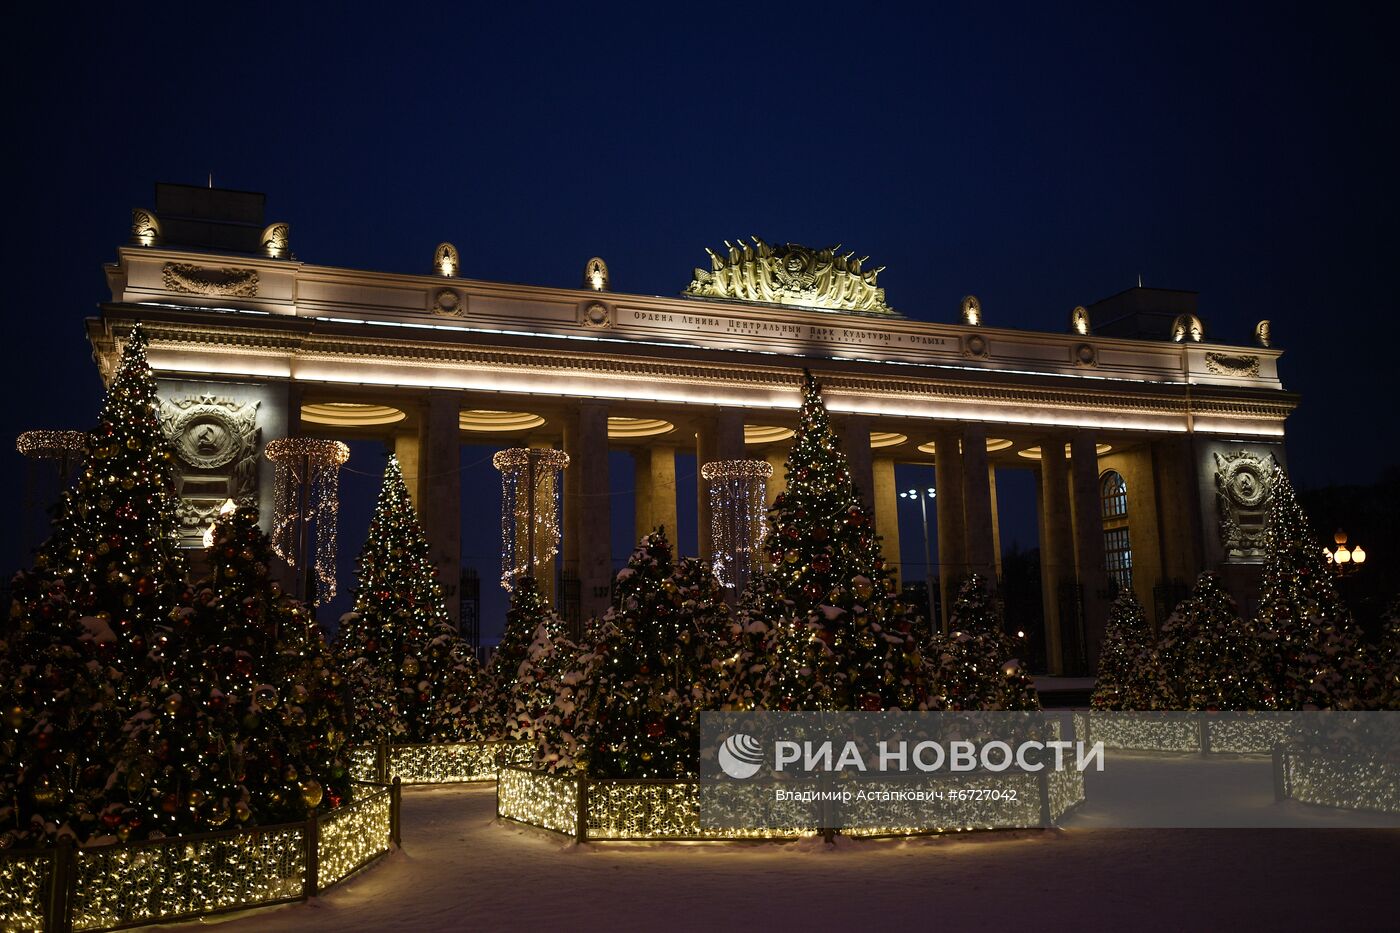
<point x="766" y="434"/>
<point x="886" y="439"/>
<point x="484" y="420"/>
<point x="993" y="444"/>
<point x="638" y="427"/>
<point x="1033" y="453"/>
<point x="350" y="414"/>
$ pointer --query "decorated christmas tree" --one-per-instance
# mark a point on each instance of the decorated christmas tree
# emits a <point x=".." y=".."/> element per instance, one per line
<point x="1210" y="658"/>
<point x="746" y="668"/>
<point x="1314" y="653"/>
<point x="403" y="659"/>
<point x="1385" y="690"/>
<point x="1127" y="678"/>
<point x="115" y="538"/>
<point x="635" y="693"/>
<point x="975" y="666"/>
<point x="243" y="720"/>
<point x="542" y="697"/>
<point x="60" y="712"/>
<point x="80" y="625"/>
<point x="831" y="577"/>
<point x="528" y="613"/>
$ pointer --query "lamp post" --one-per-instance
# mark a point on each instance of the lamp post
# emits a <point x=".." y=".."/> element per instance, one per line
<point x="1344" y="561"/>
<point x="929" y="493"/>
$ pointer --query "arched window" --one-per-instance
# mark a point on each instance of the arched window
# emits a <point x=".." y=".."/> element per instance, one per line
<point x="1117" y="546"/>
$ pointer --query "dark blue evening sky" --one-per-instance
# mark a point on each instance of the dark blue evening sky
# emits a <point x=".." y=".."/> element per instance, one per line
<point x="1035" y="157"/>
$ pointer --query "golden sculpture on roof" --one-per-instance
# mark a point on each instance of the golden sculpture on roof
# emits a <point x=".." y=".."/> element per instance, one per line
<point x="790" y="274"/>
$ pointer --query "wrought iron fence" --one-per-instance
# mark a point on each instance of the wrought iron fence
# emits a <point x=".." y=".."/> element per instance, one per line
<point x="110" y="887"/>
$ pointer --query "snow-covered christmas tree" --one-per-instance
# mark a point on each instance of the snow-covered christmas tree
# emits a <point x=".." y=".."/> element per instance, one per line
<point x="1127" y="676"/>
<point x="831" y="578"/>
<point x="528" y="613"/>
<point x="406" y="664"/>
<point x="631" y="702"/>
<point x="115" y="539"/>
<point x="243" y="719"/>
<point x="1210" y="657"/>
<point x="1314" y="657"/>
<point x="80" y="625"/>
<point x="975" y="666"/>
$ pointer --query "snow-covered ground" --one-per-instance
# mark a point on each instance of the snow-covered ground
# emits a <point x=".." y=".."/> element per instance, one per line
<point x="461" y="870"/>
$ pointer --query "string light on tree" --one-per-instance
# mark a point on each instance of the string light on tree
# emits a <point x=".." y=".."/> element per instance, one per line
<point x="737" y="521"/>
<point x="529" y="510"/>
<point x="306" y="492"/>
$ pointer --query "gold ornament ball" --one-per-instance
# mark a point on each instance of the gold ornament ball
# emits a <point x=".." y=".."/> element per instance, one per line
<point x="265" y="696"/>
<point x="311" y="793"/>
<point x="410" y="666"/>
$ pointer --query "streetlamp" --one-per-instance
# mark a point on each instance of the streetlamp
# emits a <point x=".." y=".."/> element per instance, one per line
<point x="1344" y="560"/>
<point x="929" y="493"/>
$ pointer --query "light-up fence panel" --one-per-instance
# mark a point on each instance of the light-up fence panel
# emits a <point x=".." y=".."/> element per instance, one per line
<point x="352" y="837"/>
<point x="167" y="879"/>
<point x="182" y="877"/>
<point x="24" y="886"/>
<point x="432" y="763"/>
<point x="1202" y="733"/>
<point x="1352" y="783"/>
<point x="603" y="810"/>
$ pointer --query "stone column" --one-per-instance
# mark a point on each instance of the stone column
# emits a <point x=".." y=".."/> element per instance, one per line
<point x="570" y="526"/>
<point x="641" y="493"/>
<point x="406" y="449"/>
<point x="656" y="490"/>
<point x="440" y="491"/>
<point x="996" y="515"/>
<point x="1088" y="542"/>
<point x="886" y="495"/>
<point x="705" y="452"/>
<point x="777" y="483"/>
<point x="1056" y="555"/>
<point x="977" y="505"/>
<point x="295" y="394"/>
<point x="952" y="534"/>
<point x="729" y="434"/>
<point x="855" y="440"/>
<point x="594" y="516"/>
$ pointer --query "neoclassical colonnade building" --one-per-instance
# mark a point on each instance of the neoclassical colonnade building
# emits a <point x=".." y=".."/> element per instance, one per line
<point x="1152" y="444"/>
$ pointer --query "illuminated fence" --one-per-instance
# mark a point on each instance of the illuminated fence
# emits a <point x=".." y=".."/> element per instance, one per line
<point x="1203" y="733"/>
<point x="182" y="877"/>
<point x="431" y="763"/>
<point x="1356" y="783"/>
<point x="603" y="810"/>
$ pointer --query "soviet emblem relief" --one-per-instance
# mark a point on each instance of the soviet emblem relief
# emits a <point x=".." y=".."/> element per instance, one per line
<point x="597" y="315"/>
<point x="216" y="447"/>
<point x="1242" y="487"/>
<point x="448" y="303"/>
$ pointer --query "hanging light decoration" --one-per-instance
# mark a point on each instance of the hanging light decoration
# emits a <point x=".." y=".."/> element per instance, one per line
<point x="51" y="445"/>
<point x="529" y="509"/>
<point x="307" y="487"/>
<point x="736" y="516"/>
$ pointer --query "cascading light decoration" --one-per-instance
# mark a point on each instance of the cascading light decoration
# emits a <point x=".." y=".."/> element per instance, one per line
<point x="529" y="510"/>
<point x="737" y="525"/>
<point x="307" y="486"/>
